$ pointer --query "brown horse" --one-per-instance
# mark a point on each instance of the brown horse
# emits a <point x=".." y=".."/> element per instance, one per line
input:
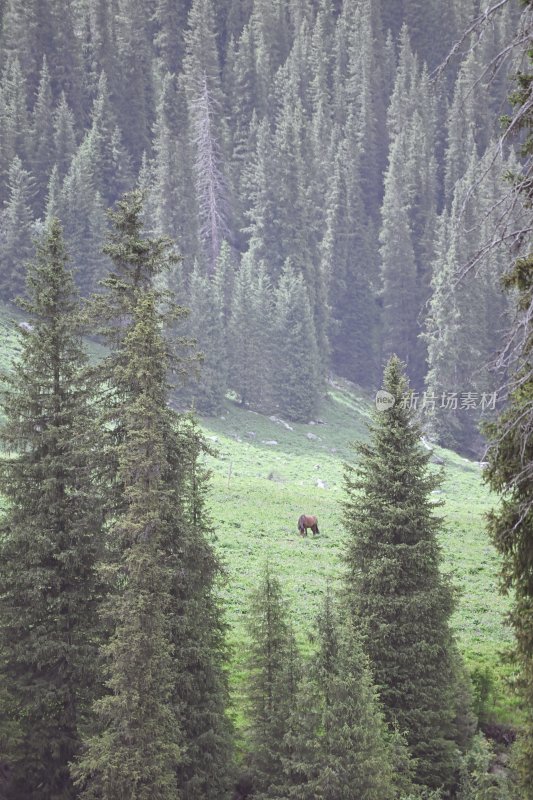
<point x="306" y="522"/>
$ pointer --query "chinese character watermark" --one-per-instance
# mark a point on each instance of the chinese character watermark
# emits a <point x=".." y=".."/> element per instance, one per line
<point x="447" y="401"/>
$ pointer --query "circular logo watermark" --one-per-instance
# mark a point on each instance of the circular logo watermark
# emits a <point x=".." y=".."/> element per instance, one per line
<point x="384" y="400"/>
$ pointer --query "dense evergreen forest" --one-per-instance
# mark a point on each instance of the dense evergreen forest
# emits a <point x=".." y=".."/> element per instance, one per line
<point x="310" y="167"/>
<point x="298" y="189"/>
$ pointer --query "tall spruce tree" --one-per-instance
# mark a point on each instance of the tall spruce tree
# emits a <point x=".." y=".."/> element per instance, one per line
<point x="511" y="447"/>
<point x="171" y="190"/>
<point x="16" y="221"/>
<point x="394" y="587"/>
<point x="136" y="749"/>
<point x="14" y="123"/>
<point x="249" y="340"/>
<point x="83" y="215"/>
<point x="50" y="539"/>
<point x="270" y="687"/>
<point x="134" y="105"/>
<point x="205" y="325"/>
<point x="349" y="263"/>
<point x="337" y="745"/>
<point x="408" y="212"/>
<point x="295" y="380"/>
<point x="467" y="313"/>
<point x="42" y="138"/>
<point x="161" y="730"/>
<point x="64" y="136"/>
<point x="197" y="627"/>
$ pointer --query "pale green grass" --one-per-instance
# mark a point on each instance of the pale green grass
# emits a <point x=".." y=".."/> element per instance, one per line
<point x="258" y="491"/>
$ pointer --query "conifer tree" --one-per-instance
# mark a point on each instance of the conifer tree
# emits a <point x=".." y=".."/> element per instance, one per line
<point x="110" y="162"/>
<point x="171" y="21"/>
<point x="295" y="381"/>
<point x="270" y="26"/>
<point x="355" y="755"/>
<point x="64" y="136"/>
<point x="56" y="38"/>
<point x="211" y="184"/>
<point x="50" y="591"/>
<point x="18" y="37"/>
<point x="359" y="95"/>
<point x="270" y="690"/>
<point x="205" y="324"/>
<point x="42" y="137"/>
<point x="83" y="215"/>
<point x="348" y="253"/>
<point x="408" y="212"/>
<point x="337" y="745"/>
<point x="16" y="219"/>
<point x="511" y="445"/>
<point x="197" y="628"/>
<point x="162" y="730"/>
<point x="394" y="586"/>
<point x="249" y="343"/>
<point x="14" y="123"/>
<point x="469" y="117"/>
<point x="100" y="45"/>
<point x="135" y="104"/>
<point x="52" y="197"/>
<point x="137" y="745"/>
<point x="171" y="192"/>
<point x="467" y="313"/>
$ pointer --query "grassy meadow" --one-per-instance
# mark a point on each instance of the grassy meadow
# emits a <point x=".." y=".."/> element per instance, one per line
<point x="259" y="489"/>
<point x="266" y="472"/>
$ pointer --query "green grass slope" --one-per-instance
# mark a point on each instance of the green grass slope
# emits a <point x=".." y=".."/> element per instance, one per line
<point x="267" y="472"/>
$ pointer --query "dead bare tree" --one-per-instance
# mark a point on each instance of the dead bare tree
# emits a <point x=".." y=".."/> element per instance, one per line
<point x="211" y="187"/>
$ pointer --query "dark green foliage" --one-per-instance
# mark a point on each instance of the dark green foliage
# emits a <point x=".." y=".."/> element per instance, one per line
<point x="306" y="131"/>
<point x="271" y="685"/>
<point x="249" y="344"/>
<point x="467" y="313"/>
<point x="349" y="261"/>
<point x="170" y="176"/>
<point x="164" y="658"/>
<point x="42" y="136"/>
<point x="137" y="744"/>
<point x="477" y="781"/>
<point x="14" y="124"/>
<point x="56" y="38"/>
<point x="205" y="325"/>
<point x="82" y="211"/>
<point x="109" y="160"/>
<point x="64" y="136"/>
<point x="197" y="629"/>
<point x="337" y="746"/>
<point x="408" y="212"/>
<point x="135" y="102"/>
<point x="394" y="587"/>
<point x="18" y="37"/>
<point x="171" y="19"/>
<point x="16" y="220"/>
<point x="295" y="381"/>
<point x="355" y="759"/>
<point x="50" y="540"/>
<point x="509" y="474"/>
<point x="511" y="452"/>
<point x="100" y="43"/>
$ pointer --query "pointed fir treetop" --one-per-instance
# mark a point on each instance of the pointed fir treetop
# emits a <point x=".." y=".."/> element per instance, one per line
<point x="137" y="260"/>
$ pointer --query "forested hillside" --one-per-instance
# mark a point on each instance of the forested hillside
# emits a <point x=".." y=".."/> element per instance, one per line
<point x="264" y="211"/>
<point x="324" y="186"/>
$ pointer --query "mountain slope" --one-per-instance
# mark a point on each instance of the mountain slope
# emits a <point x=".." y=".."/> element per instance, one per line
<point x="266" y="472"/>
